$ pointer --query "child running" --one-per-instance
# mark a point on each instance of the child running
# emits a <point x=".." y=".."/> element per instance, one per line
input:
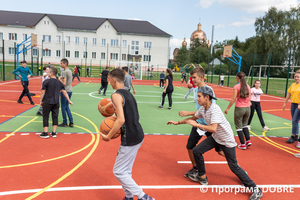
<point x="241" y="98"/>
<point x="190" y="81"/>
<point x="255" y="105"/>
<point x="222" y="136"/>
<point x="49" y="99"/>
<point x="132" y="135"/>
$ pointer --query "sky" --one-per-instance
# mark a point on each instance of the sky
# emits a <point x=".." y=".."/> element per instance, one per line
<point x="178" y="18"/>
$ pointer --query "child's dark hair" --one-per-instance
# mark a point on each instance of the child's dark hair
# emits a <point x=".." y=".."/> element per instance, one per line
<point x="170" y="73"/>
<point x="210" y="97"/>
<point x="199" y="71"/>
<point x="255" y="82"/>
<point x="117" y="74"/>
<point x="244" y="92"/>
<point x="65" y="61"/>
<point x="53" y="70"/>
<point x="45" y="67"/>
<point x="125" y="69"/>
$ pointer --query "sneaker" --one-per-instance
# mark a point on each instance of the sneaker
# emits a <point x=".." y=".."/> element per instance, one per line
<point x="53" y="134"/>
<point x="71" y="124"/>
<point x="297" y="155"/>
<point x="242" y="146"/>
<point x="265" y="128"/>
<point x="99" y="91"/>
<point x="32" y="103"/>
<point x="39" y="113"/>
<point x="249" y="127"/>
<point x="191" y="171"/>
<point x="19" y="101"/>
<point x="161" y="107"/>
<point x="62" y="125"/>
<point x="185" y="98"/>
<point x="103" y="94"/>
<point x="298" y="145"/>
<point x="170" y="108"/>
<point x="126" y="198"/>
<point x="292" y="139"/>
<point x="256" y="195"/>
<point x="196" y="177"/>
<point x="248" y="143"/>
<point x="146" y="197"/>
<point x="44" y="135"/>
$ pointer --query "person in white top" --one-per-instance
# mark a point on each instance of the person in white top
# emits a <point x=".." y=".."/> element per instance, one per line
<point x="256" y="92"/>
<point x="222" y="137"/>
<point x="222" y="79"/>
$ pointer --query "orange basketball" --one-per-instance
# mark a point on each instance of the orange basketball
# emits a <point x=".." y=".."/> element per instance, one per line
<point x="189" y="86"/>
<point x="106" y="107"/>
<point x="106" y="126"/>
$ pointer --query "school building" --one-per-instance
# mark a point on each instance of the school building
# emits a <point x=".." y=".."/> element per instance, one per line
<point x="84" y="39"/>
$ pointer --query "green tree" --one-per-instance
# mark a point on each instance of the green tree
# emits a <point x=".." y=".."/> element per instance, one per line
<point x="182" y="56"/>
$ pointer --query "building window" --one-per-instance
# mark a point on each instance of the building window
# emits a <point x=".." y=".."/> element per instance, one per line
<point x="84" y="54"/>
<point x="123" y="56"/>
<point x="76" y="54"/>
<point x="47" y="38"/>
<point x="94" y="55"/>
<point x="24" y="37"/>
<point x="114" y="56"/>
<point x="67" y="54"/>
<point x="1" y="36"/>
<point x="12" y="36"/>
<point x="114" y="43"/>
<point x="48" y="22"/>
<point x="11" y="50"/>
<point x="44" y="22"/>
<point x="147" y="45"/>
<point x="34" y="52"/>
<point x="147" y="58"/>
<point x="47" y="53"/>
<point x="57" y="53"/>
<point x="134" y="47"/>
<point x="103" y="42"/>
<point x="57" y="39"/>
<point x="85" y="40"/>
<point x="94" y="41"/>
<point x="76" y="40"/>
<point x="68" y="39"/>
<point x="124" y="43"/>
<point x="103" y="56"/>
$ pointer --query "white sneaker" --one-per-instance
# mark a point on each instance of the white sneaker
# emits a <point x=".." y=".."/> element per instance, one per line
<point x="265" y="128"/>
<point x="249" y="127"/>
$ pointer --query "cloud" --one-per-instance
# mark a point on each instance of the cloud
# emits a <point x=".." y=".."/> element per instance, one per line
<point x="137" y="19"/>
<point x="245" y="22"/>
<point x="253" y="6"/>
<point x="220" y="26"/>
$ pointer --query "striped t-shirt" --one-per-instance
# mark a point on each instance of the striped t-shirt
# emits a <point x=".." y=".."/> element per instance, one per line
<point x="212" y="115"/>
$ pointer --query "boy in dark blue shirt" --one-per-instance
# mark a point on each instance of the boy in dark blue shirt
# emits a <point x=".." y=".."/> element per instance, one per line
<point x="161" y="79"/>
<point x="24" y="74"/>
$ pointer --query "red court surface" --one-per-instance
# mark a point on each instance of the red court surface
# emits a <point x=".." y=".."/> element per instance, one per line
<point x="79" y="166"/>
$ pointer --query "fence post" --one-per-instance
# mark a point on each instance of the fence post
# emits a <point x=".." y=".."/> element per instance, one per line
<point x="3" y="60"/>
<point x="15" y="64"/>
<point x="288" y="74"/>
<point x="228" y="74"/>
<point x="268" y="73"/>
<point x="212" y="70"/>
<point x="31" y="61"/>
<point x="220" y="69"/>
<point x="252" y="69"/>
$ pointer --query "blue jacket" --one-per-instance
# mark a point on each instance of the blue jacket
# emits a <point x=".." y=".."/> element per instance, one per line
<point x="23" y="72"/>
<point x="162" y="76"/>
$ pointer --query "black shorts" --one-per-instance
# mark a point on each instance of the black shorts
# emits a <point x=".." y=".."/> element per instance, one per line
<point x="195" y="137"/>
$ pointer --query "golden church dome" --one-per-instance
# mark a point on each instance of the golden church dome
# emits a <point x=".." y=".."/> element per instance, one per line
<point x="184" y="43"/>
<point x="198" y="34"/>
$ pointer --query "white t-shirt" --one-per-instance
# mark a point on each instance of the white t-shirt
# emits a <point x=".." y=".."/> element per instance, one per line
<point x="45" y="76"/>
<point x="212" y="115"/>
<point x="255" y="94"/>
<point x="222" y="78"/>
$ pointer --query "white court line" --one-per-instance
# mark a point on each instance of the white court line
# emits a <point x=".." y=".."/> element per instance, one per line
<point x="206" y="162"/>
<point x="159" y="187"/>
<point x="18" y="81"/>
<point x="24" y="133"/>
<point x="18" y="91"/>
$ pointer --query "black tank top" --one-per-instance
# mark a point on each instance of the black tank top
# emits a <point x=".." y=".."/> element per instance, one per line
<point x="132" y="131"/>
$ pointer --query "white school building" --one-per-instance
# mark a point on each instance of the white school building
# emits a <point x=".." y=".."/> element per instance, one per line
<point x="84" y="39"/>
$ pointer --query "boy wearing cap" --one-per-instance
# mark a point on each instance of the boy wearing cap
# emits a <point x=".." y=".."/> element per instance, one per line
<point x="222" y="136"/>
<point x="24" y="74"/>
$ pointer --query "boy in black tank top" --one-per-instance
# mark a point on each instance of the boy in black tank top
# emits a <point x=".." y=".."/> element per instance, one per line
<point x="131" y="138"/>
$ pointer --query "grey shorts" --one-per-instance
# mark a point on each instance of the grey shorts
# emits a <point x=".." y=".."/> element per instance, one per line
<point x="241" y="116"/>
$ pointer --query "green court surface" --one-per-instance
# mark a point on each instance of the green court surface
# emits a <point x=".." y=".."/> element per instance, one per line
<point x="87" y="119"/>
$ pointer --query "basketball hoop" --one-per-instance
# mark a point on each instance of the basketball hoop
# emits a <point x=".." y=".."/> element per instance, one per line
<point x="223" y="57"/>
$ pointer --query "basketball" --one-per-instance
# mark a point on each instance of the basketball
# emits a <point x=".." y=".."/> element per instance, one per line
<point x="106" y="126"/>
<point x="189" y="86"/>
<point x="106" y="107"/>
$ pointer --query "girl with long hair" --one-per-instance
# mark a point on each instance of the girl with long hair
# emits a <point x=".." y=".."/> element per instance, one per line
<point x="241" y="98"/>
<point x="168" y="90"/>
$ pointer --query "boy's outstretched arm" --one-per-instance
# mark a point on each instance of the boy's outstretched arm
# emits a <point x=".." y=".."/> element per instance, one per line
<point x="118" y="101"/>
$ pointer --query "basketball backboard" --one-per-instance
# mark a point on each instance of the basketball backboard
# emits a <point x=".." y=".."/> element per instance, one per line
<point x="33" y="40"/>
<point x="227" y="51"/>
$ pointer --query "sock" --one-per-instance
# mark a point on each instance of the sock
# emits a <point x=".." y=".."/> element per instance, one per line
<point x="241" y="136"/>
<point x="246" y="132"/>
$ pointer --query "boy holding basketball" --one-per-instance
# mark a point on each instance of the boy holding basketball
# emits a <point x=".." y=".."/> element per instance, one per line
<point x="131" y="138"/>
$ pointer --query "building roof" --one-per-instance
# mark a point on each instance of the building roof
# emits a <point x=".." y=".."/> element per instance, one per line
<point x="138" y="27"/>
